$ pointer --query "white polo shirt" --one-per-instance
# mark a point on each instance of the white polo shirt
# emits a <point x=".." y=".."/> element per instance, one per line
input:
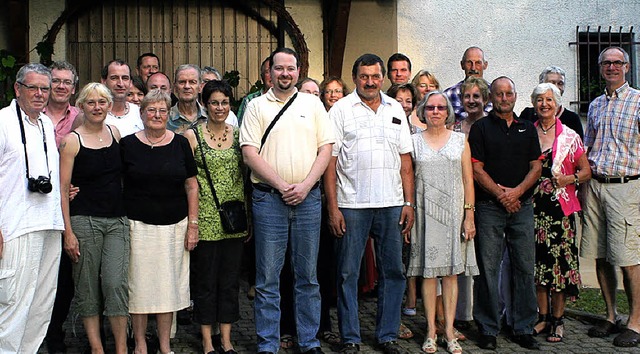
<point x="368" y="147"/>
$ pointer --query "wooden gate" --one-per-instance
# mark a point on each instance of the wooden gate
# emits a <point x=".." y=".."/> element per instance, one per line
<point x="205" y="33"/>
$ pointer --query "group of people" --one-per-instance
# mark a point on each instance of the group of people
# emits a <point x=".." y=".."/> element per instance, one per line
<point x="448" y="190"/>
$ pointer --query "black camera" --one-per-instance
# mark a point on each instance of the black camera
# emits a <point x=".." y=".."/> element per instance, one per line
<point x="41" y="184"/>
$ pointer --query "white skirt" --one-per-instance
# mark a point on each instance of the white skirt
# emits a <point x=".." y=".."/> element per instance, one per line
<point x="158" y="268"/>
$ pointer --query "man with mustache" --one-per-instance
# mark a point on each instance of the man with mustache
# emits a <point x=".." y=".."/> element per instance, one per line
<point x="30" y="217"/>
<point x="369" y="190"/>
<point x="474" y="64"/>
<point x="285" y="169"/>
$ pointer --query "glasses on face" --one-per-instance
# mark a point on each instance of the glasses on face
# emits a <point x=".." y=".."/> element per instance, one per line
<point x="431" y="108"/>
<point x="331" y="92"/>
<point x="58" y="82"/>
<point x="152" y="111"/>
<point x="218" y="104"/>
<point x="33" y="88"/>
<point x="616" y="64"/>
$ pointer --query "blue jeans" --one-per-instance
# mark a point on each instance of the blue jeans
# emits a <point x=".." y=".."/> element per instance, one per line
<point x="497" y="229"/>
<point x="277" y="225"/>
<point x="384" y="228"/>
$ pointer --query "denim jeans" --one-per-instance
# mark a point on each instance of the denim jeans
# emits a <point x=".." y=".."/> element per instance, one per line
<point x="276" y="227"/>
<point x="383" y="225"/>
<point x="497" y="229"/>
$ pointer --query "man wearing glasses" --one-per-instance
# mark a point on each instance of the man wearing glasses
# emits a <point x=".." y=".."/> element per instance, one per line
<point x="30" y="214"/>
<point x="611" y="232"/>
<point x="62" y="114"/>
<point x="125" y="116"/>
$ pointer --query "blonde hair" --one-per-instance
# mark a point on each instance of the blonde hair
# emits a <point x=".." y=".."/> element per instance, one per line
<point x="96" y="87"/>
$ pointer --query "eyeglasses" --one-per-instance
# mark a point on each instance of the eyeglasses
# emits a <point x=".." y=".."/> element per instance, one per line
<point x="218" y="104"/>
<point x="34" y="89"/>
<point x="433" y="108"/>
<point x="616" y="64"/>
<point x="330" y="92"/>
<point x="153" y="111"/>
<point x="58" y="82"/>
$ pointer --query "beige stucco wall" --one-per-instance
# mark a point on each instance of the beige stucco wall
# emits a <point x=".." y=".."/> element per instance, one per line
<point x="42" y="14"/>
<point x="372" y="29"/>
<point x="520" y="38"/>
<point x="308" y="16"/>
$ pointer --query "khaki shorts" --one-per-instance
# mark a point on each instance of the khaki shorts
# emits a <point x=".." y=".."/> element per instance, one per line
<point x="611" y="226"/>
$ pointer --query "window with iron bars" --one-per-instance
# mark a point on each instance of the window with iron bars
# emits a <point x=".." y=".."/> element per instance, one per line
<point x="589" y="44"/>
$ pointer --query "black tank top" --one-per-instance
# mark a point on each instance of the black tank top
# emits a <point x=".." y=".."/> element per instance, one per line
<point x="98" y="174"/>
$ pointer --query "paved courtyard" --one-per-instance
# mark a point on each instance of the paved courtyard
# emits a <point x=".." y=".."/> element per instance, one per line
<point x="187" y="341"/>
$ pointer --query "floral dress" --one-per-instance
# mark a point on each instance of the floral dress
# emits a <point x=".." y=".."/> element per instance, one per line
<point x="556" y="247"/>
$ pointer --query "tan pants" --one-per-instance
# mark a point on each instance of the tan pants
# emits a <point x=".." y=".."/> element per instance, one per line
<point x="28" y="284"/>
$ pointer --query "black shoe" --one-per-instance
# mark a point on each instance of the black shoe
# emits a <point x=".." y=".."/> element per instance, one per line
<point x="55" y="346"/>
<point x="392" y="347"/>
<point x="487" y="342"/>
<point x="526" y="341"/>
<point x="265" y="352"/>
<point x="316" y="350"/>
<point x="349" y="348"/>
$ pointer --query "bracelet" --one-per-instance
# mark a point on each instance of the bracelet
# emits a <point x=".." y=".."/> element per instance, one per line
<point x="469" y="206"/>
<point x="576" y="180"/>
<point x="195" y="222"/>
<point x="409" y="205"/>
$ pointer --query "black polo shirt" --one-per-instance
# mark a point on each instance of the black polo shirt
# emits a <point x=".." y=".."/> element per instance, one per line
<point x="505" y="151"/>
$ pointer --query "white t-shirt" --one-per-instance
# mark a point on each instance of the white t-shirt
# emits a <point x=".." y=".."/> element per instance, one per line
<point x="23" y="211"/>
<point x="368" y="148"/>
<point x="127" y="124"/>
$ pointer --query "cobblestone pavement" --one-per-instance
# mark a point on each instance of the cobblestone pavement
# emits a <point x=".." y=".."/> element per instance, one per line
<point x="244" y="338"/>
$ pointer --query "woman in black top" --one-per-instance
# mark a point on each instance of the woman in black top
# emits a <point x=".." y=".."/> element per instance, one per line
<point x="96" y="235"/>
<point x="161" y="199"/>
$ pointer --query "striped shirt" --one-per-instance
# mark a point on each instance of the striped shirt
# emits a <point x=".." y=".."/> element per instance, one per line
<point x="613" y="133"/>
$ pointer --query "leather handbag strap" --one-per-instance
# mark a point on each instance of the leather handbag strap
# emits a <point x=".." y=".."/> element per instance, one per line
<point x="275" y="120"/>
<point x="206" y="169"/>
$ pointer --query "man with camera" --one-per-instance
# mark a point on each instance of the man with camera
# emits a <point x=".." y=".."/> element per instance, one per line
<point x="30" y="214"/>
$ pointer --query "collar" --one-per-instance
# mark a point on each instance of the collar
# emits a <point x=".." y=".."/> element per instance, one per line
<point x="618" y="92"/>
<point x="355" y="99"/>
<point x="271" y="96"/>
<point x="67" y="110"/>
<point x="25" y="117"/>
<point x="174" y="113"/>
<point x="498" y="119"/>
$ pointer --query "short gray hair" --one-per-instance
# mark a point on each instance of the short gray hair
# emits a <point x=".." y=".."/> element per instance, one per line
<point x="184" y="67"/>
<point x="552" y="69"/>
<point x="33" y="68"/>
<point x="451" y="117"/>
<point x="210" y="70"/>
<point x="155" y="95"/>
<point x="542" y="88"/>
<point x="64" y="65"/>
<point x="620" y="49"/>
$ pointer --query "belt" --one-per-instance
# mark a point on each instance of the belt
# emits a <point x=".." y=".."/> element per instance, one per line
<point x="263" y="187"/>
<point x="607" y="179"/>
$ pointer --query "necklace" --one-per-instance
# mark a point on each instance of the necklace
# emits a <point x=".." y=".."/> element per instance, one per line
<point x="157" y="142"/>
<point x="221" y="139"/>
<point x="544" y="131"/>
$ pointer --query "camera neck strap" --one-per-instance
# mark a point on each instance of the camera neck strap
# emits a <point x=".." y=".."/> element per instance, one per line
<point x="24" y="141"/>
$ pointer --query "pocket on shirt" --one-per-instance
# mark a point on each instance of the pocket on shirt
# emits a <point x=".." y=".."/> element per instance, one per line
<point x="7" y="286"/>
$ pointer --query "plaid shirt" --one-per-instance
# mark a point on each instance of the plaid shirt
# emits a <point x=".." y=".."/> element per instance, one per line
<point x="454" y="95"/>
<point x="613" y="133"/>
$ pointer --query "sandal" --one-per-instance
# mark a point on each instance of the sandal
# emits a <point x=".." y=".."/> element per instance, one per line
<point x="330" y="337"/>
<point x="286" y="341"/>
<point x="429" y="345"/>
<point x="453" y="347"/>
<point x="440" y="331"/>
<point x="604" y="328"/>
<point x="404" y="332"/>
<point x="557" y="330"/>
<point x="546" y="318"/>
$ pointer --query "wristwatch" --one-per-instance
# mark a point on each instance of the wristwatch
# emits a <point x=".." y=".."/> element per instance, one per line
<point x="409" y="205"/>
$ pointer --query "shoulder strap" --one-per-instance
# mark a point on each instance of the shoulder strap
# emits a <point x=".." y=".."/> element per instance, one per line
<point x="275" y="120"/>
<point x="206" y="169"/>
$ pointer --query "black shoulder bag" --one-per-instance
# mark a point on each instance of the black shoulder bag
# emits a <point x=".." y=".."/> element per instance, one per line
<point x="233" y="214"/>
<point x="275" y="120"/>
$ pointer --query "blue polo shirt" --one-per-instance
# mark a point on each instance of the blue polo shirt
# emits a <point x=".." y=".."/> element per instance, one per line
<point x="506" y="151"/>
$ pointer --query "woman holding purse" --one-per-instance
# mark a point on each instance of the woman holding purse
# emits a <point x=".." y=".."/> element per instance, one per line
<point x="216" y="262"/>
